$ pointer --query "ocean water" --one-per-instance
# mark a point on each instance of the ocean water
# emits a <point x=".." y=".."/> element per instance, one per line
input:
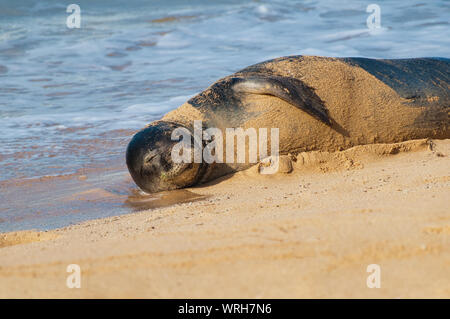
<point x="70" y="99"/>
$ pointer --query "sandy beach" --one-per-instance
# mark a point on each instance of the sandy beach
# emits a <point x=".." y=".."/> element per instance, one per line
<point x="308" y="234"/>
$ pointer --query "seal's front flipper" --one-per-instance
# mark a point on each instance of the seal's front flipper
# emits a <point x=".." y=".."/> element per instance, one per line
<point x="291" y="90"/>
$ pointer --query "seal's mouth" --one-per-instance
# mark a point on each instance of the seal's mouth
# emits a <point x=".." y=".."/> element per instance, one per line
<point x="150" y="164"/>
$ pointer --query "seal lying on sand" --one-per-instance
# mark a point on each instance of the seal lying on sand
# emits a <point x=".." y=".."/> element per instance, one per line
<point x="317" y="103"/>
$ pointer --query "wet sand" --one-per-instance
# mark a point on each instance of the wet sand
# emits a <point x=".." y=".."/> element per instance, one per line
<point x="311" y="233"/>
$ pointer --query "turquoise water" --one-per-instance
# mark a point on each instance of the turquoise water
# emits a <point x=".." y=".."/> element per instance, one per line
<point x="71" y="98"/>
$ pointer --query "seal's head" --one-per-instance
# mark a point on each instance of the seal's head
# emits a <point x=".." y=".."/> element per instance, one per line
<point x="149" y="160"/>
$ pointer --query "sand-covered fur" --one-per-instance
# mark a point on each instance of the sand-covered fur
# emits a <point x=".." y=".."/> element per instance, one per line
<point x="325" y="104"/>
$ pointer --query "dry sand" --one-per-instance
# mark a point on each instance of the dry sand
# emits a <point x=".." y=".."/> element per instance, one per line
<point x="311" y="233"/>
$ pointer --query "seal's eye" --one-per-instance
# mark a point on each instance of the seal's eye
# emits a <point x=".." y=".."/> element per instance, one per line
<point x="150" y="157"/>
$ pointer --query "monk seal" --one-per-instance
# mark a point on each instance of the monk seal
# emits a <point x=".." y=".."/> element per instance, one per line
<point x="318" y="103"/>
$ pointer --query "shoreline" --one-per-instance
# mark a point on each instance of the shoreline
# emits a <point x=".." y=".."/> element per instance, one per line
<point x="308" y="234"/>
